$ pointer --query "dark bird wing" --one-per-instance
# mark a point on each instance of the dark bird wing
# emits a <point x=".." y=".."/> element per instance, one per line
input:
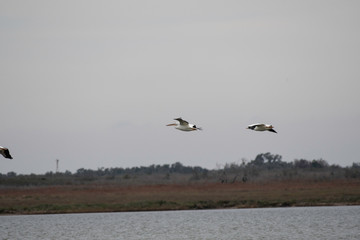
<point x="182" y="122"/>
<point x="272" y="130"/>
<point x="253" y="126"/>
<point x="5" y="152"/>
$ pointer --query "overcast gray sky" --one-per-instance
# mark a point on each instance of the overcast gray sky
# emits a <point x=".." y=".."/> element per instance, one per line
<point x="93" y="83"/>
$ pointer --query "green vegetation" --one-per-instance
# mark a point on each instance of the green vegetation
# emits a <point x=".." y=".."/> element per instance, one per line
<point x="265" y="167"/>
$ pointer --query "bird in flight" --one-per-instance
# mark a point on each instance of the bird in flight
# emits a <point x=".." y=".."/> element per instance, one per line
<point x="184" y="125"/>
<point x="261" y="127"/>
<point x="5" y="152"/>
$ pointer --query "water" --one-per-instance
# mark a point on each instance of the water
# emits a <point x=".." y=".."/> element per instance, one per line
<point x="265" y="223"/>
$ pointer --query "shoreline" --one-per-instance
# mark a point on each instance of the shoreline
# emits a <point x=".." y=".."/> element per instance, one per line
<point x="164" y="210"/>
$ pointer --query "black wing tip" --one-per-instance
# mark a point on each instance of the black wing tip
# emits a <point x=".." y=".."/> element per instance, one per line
<point x="272" y="130"/>
<point x="7" y="154"/>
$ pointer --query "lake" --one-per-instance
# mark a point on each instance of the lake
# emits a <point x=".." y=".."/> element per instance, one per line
<point x="259" y="223"/>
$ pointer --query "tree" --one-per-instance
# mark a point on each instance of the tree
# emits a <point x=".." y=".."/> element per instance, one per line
<point x="11" y="174"/>
<point x="302" y="163"/>
<point x="269" y="160"/>
<point x="319" y="163"/>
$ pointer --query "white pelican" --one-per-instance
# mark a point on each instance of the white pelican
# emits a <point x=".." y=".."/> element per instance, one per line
<point x="5" y="152"/>
<point x="261" y="127"/>
<point x="184" y="125"/>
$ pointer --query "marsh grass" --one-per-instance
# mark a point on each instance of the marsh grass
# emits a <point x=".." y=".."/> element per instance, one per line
<point x="115" y="198"/>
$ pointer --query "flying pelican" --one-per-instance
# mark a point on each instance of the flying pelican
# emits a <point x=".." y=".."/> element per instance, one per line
<point x="5" y="152"/>
<point x="184" y="125"/>
<point x="261" y="127"/>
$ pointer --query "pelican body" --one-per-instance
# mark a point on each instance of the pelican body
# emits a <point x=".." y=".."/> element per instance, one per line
<point x="184" y="125"/>
<point x="5" y="152"/>
<point x="261" y="127"/>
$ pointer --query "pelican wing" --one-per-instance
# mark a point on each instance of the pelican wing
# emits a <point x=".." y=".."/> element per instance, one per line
<point x="5" y="152"/>
<point x="257" y="125"/>
<point x="272" y="130"/>
<point x="182" y="122"/>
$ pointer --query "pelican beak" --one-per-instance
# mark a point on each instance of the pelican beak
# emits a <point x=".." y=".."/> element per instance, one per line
<point x="171" y="124"/>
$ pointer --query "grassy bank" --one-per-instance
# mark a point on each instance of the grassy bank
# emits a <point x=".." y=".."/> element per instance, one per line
<point x="114" y="198"/>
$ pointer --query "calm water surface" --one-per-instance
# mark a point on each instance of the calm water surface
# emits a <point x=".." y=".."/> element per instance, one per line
<point x="264" y="223"/>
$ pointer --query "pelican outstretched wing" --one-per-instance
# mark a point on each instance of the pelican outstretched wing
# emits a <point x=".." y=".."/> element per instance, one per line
<point x="5" y="152"/>
<point x="272" y="130"/>
<point x="253" y="126"/>
<point x="258" y="125"/>
<point x="182" y="122"/>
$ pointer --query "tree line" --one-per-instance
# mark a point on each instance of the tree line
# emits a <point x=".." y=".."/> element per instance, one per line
<point x="264" y="167"/>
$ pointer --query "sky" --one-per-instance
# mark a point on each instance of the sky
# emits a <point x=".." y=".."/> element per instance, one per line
<point x="94" y="83"/>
